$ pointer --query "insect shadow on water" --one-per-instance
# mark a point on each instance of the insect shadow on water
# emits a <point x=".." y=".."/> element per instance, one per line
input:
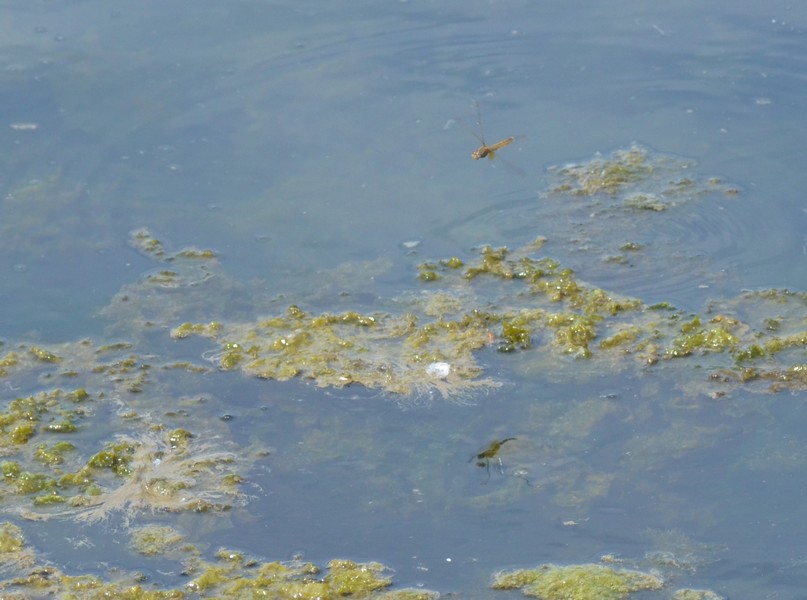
<point x="484" y="457"/>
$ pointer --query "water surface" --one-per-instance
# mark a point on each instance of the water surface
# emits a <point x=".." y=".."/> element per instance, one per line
<point x="306" y="144"/>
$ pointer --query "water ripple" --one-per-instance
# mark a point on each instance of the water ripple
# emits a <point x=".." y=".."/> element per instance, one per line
<point x="658" y="239"/>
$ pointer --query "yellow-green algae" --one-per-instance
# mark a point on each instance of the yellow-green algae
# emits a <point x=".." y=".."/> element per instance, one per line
<point x="157" y="469"/>
<point x="576" y="582"/>
<point x="230" y="574"/>
<point x="44" y="355"/>
<point x="605" y="174"/>
<point x="11" y="538"/>
<point x="7" y="362"/>
<point x="154" y="540"/>
<point x="374" y="350"/>
<point x="625" y="169"/>
<point x="54" y="411"/>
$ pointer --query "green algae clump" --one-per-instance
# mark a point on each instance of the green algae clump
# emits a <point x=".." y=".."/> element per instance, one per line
<point x="514" y="337"/>
<point x="25" y="418"/>
<point x="154" y="540"/>
<point x="11" y="538"/>
<point x="186" y="329"/>
<point x="7" y="362"/>
<point x="233" y="576"/>
<point x="54" y="454"/>
<point x="345" y="577"/>
<point x="607" y="175"/>
<point x="43" y="355"/>
<point x="694" y="337"/>
<point x="230" y="574"/>
<point x="576" y="582"/>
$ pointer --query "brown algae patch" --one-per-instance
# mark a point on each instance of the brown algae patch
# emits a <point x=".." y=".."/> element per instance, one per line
<point x="161" y="472"/>
<point x="576" y="582"/>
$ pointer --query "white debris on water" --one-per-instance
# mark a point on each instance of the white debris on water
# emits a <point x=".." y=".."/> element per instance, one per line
<point x="438" y="370"/>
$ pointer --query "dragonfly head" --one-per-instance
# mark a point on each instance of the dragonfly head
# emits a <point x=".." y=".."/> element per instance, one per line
<point x="480" y="152"/>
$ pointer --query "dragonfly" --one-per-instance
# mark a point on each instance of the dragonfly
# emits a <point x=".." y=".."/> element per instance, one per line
<point x="484" y="457"/>
<point x="485" y="150"/>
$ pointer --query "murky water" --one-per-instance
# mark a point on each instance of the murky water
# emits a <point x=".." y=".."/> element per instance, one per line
<point x="322" y="153"/>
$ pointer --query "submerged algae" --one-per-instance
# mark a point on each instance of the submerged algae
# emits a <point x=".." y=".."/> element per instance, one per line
<point x="143" y="240"/>
<point x="153" y="540"/>
<point x="690" y="594"/>
<point x="132" y="475"/>
<point x="576" y="582"/>
<point x="154" y="474"/>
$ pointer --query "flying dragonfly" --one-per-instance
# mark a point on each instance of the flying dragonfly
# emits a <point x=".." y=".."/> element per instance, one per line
<point x="489" y="151"/>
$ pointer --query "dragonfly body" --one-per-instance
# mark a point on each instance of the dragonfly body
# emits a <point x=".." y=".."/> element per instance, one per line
<point x="491" y="451"/>
<point x="484" y="457"/>
<point x="490" y="151"/>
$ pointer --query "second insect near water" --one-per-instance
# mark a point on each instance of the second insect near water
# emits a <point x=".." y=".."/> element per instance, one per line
<point x="484" y="457"/>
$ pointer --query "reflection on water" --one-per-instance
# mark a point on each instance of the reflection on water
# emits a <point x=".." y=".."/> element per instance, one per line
<point x="298" y="153"/>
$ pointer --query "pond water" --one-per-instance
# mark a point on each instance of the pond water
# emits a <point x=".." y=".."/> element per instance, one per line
<point x="316" y="160"/>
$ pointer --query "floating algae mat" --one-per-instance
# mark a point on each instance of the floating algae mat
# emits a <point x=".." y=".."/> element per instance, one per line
<point x="576" y="582"/>
<point x="229" y="574"/>
<point x="522" y="301"/>
<point x="93" y="430"/>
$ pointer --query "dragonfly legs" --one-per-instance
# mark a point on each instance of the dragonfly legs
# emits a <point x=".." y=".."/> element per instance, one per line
<point x="485" y="462"/>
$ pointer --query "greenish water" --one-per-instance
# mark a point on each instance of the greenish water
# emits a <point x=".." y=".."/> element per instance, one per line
<point x="237" y="241"/>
